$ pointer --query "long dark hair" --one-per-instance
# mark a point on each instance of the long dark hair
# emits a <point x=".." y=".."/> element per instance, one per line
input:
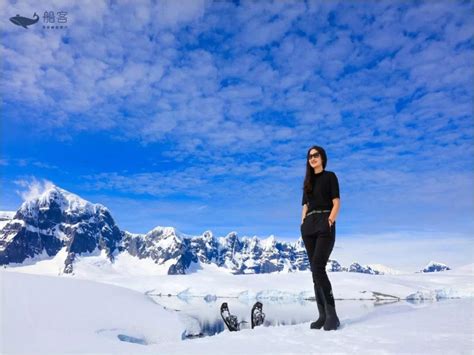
<point x="309" y="177"/>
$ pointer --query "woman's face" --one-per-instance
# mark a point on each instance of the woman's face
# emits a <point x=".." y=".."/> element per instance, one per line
<point x="315" y="159"/>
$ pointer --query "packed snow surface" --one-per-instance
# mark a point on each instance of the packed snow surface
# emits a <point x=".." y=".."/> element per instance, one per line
<point x="48" y="315"/>
<point x="143" y="275"/>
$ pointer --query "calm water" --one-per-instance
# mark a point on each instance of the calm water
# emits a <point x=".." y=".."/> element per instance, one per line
<point x="202" y="317"/>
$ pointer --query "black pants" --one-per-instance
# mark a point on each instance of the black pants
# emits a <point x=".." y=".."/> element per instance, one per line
<point x="319" y="241"/>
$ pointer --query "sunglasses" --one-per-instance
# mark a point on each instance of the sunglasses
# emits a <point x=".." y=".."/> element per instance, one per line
<point x="315" y="156"/>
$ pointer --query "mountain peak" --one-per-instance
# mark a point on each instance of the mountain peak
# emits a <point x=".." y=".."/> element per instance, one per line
<point x="434" y="266"/>
<point x="52" y="218"/>
<point x="67" y="202"/>
<point x="163" y="232"/>
<point x="269" y="243"/>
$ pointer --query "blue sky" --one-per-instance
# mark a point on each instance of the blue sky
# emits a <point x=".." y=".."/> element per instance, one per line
<point x="198" y="114"/>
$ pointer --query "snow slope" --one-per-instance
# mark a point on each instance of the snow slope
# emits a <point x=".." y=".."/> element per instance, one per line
<point x="71" y="313"/>
<point x="41" y="314"/>
<point x="50" y="315"/>
<point x="438" y="328"/>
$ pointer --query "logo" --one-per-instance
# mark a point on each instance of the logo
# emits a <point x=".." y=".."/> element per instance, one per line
<point x="51" y="20"/>
<point x="24" y="21"/>
<point x="55" y="21"/>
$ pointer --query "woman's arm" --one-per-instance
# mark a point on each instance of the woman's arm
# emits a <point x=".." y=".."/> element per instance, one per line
<point x="335" y="210"/>
<point x="303" y="213"/>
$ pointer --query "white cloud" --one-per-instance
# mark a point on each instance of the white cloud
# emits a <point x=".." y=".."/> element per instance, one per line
<point x="33" y="188"/>
<point x="172" y="13"/>
<point x="216" y="80"/>
<point x="147" y="69"/>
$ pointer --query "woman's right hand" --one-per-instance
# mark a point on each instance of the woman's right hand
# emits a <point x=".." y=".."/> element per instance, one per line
<point x="303" y="213"/>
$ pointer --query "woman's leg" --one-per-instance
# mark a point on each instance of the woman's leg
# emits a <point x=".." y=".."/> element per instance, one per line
<point x="310" y="245"/>
<point x="322" y="251"/>
<point x="319" y="247"/>
<point x="319" y="259"/>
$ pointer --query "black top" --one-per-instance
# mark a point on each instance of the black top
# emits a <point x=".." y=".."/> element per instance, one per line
<point x="325" y="188"/>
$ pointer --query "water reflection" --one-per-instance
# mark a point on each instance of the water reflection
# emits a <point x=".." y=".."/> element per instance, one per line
<point x="201" y="315"/>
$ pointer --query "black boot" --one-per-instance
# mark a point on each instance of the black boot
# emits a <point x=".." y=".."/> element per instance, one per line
<point x="322" y="312"/>
<point x="332" y="321"/>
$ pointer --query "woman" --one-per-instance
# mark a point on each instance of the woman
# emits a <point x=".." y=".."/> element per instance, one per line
<point x="321" y="204"/>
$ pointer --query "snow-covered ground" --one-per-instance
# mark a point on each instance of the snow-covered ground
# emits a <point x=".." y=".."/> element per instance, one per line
<point x="46" y="315"/>
<point x="103" y="308"/>
<point x="146" y="276"/>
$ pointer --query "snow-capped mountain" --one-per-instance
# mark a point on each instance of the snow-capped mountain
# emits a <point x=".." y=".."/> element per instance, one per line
<point x="356" y="267"/>
<point x="333" y="266"/>
<point x="252" y="255"/>
<point x="54" y="220"/>
<point x="384" y="270"/>
<point x="5" y="217"/>
<point x="59" y="220"/>
<point x="246" y="255"/>
<point x="163" y="245"/>
<point x="435" y="267"/>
